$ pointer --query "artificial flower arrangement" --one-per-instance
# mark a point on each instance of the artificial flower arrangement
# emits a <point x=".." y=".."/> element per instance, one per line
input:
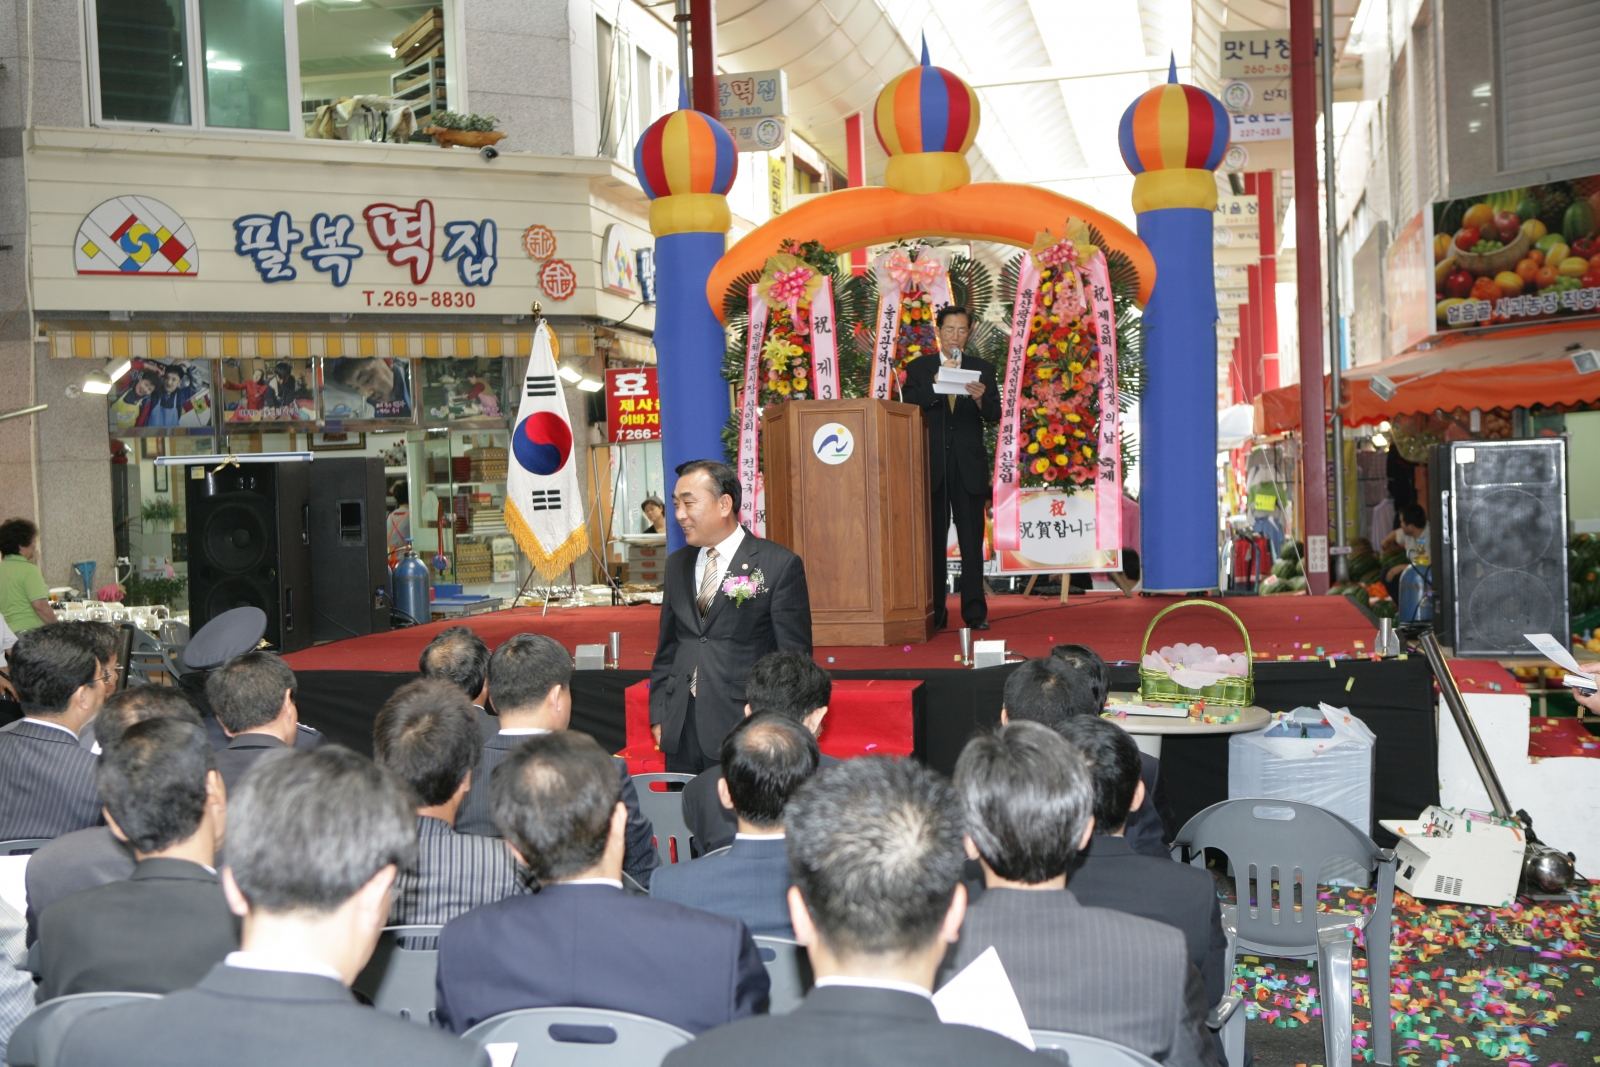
<point x="740" y="588"/>
<point x="786" y="353"/>
<point x="1060" y="405"/>
<point x="917" y="335"/>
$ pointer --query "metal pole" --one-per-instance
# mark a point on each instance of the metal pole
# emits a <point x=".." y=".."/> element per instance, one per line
<point x="703" y="43"/>
<point x="1469" y="733"/>
<point x="1308" y="266"/>
<point x="1335" y="353"/>
<point x="681" y="19"/>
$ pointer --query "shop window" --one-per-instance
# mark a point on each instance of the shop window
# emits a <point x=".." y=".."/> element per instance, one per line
<point x="355" y="58"/>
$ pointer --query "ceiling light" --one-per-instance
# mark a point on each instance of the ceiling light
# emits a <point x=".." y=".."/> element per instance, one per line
<point x="1384" y="427"/>
<point x="1379" y="441"/>
<point x="119" y="369"/>
<point x="591" y="385"/>
<point x="97" y="382"/>
<point x="570" y="376"/>
<point x="224" y="64"/>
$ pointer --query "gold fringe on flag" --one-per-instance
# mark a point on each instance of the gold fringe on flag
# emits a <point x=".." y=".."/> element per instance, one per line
<point x="548" y="564"/>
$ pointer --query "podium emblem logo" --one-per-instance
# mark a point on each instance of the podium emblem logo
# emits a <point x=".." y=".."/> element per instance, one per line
<point x="833" y="443"/>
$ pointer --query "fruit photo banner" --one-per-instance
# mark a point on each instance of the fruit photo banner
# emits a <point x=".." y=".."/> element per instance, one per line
<point x="911" y="292"/>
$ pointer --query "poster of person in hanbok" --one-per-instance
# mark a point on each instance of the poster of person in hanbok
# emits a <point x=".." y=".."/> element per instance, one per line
<point x="354" y="389"/>
<point x="461" y="390"/>
<point x="267" y="390"/>
<point x="153" y="397"/>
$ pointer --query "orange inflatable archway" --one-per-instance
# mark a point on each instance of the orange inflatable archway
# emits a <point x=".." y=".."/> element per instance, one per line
<point x="1003" y="212"/>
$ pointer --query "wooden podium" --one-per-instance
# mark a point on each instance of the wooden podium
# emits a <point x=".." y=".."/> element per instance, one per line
<point x="847" y="489"/>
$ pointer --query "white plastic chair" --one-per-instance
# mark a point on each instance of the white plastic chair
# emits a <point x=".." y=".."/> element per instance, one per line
<point x="579" y="1037"/>
<point x="399" y="979"/>
<point x="665" y="812"/>
<point x="1085" y="1051"/>
<point x="789" y="969"/>
<point x="1289" y="843"/>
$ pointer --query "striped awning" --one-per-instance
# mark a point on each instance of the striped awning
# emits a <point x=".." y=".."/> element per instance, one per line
<point x="288" y="344"/>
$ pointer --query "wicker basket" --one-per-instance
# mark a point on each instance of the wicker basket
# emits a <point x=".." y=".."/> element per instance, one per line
<point x="1230" y="691"/>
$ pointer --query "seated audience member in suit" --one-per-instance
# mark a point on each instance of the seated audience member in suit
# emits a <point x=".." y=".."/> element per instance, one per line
<point x="1150" y="824"/>
<point x="315" y="839"/>
<point x="764" y="760"/>
<point x="95" y="856"/>
<point x="458" y="655"/>
<point x="875" y="853"/>
<point x="789" y="683"/>
<point x="529" y="683"/>
<point x="427" y="734"/>
<point x="252" y="696"/>
<point x="1110" y="874"/>
<point x="104" y="641"/>
<point x="578" y="940"/>
<point x="47" y="778"/>
<point x="1029" y="805"/>
<point x="169" y="924"/>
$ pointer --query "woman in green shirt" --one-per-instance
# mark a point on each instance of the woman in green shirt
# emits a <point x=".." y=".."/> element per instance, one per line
<point x="24" y="598"/>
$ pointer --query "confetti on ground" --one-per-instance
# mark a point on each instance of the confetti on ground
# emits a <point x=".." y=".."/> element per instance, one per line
<point x="1520" y="975"/>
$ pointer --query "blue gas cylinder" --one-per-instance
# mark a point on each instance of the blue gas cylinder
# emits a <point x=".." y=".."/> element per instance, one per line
<point x="411" y="587"/>
<point x="1415" y="604"/>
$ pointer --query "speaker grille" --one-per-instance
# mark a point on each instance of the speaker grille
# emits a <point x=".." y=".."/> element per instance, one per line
<point x="235" y="535"/>
<point x="230" y="593"/>
<point x="1510" y="559"/>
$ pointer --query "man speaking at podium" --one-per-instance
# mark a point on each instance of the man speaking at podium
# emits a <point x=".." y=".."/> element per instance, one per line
<point x="958" y="462"/>
<point x="731" y="598"/>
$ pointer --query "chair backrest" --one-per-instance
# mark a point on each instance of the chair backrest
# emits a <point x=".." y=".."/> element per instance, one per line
<point x="174" y="633"/>
<point x="36" y="1042"/>
<point x="789" y="968"/>
<point x="664" y="809"/>
<point x="399" y="979"/>
<point x="23" y="846"/>
<point x="1086" y="1051"/>
<point x="1282" y="841"/>
<point x="578" y="1037"/>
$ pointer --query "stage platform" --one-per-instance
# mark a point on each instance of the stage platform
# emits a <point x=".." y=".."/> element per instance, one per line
<point x="343" y="684"/>
<point x="1287" y="627"/>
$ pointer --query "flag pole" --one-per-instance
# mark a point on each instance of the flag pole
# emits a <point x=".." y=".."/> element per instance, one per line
<point x="538" y="320"/>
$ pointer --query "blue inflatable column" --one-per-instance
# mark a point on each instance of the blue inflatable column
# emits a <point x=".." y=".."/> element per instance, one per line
<point x="686" y="162"/>
<point x="689" y="346"/>
<point x="1174" y="137"/>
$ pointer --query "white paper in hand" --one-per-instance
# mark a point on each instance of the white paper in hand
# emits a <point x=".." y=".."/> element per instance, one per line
<point x="981" y="995"/>
<point x="1551" y="648"/>
<point x="501" y="1053"/>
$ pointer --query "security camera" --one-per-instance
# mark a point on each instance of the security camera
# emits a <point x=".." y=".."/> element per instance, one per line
<point x="489" y="152"/>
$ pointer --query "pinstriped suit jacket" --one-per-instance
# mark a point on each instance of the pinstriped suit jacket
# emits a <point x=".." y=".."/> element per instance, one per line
<point x="455" y="873"/>
<point x="1092" y="971"/>
<point x="46" y="782"/>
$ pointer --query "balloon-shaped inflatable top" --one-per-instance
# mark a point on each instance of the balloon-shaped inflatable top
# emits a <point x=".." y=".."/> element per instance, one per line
<point x="1174" y="128"/>
<point x="926" y="119"/>
<point x="685" y="152"/>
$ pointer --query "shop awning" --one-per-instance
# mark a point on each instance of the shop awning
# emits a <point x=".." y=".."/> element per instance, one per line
<point x="1504" y="368"/>
<point x="88" y="342"/>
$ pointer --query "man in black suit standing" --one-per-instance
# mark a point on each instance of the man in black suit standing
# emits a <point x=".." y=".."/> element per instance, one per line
<point x="168" y="924"/>
<point x="579" y="941"/>
<point x="315" y="839"/>
<point x="46" y="778"/>
<point x="875" y="853"/>
<point x="1112" y="875"/>
<point x="1029" y="803"/>
<point x="959" y="473"/>
<point x="709" y="638"/>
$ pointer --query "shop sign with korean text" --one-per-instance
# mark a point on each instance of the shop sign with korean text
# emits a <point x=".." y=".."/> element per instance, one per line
<point x="759" y="94"/>
<point x="633" y="405"/>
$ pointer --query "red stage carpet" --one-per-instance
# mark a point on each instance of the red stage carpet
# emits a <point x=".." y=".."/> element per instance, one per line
<point x="1281" y="628"/>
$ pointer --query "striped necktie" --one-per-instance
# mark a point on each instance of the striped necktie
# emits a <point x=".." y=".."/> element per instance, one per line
<point x="708" y="589"/>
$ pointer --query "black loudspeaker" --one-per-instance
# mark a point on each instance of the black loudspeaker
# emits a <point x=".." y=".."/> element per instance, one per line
<point x="1499" y="543"/>
<point x="349" y="549"/>
<point x="250" y="546"/>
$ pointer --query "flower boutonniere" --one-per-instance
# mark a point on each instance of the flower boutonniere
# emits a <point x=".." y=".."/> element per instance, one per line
<point x="742" y="588"/>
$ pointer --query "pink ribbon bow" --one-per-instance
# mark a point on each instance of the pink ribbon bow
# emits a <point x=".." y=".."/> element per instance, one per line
<point x="910" y="274"/>
<point x="790" y="286"/>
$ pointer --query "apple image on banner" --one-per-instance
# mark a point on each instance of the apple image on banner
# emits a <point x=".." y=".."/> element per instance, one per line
<point x="542" y="443"/>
